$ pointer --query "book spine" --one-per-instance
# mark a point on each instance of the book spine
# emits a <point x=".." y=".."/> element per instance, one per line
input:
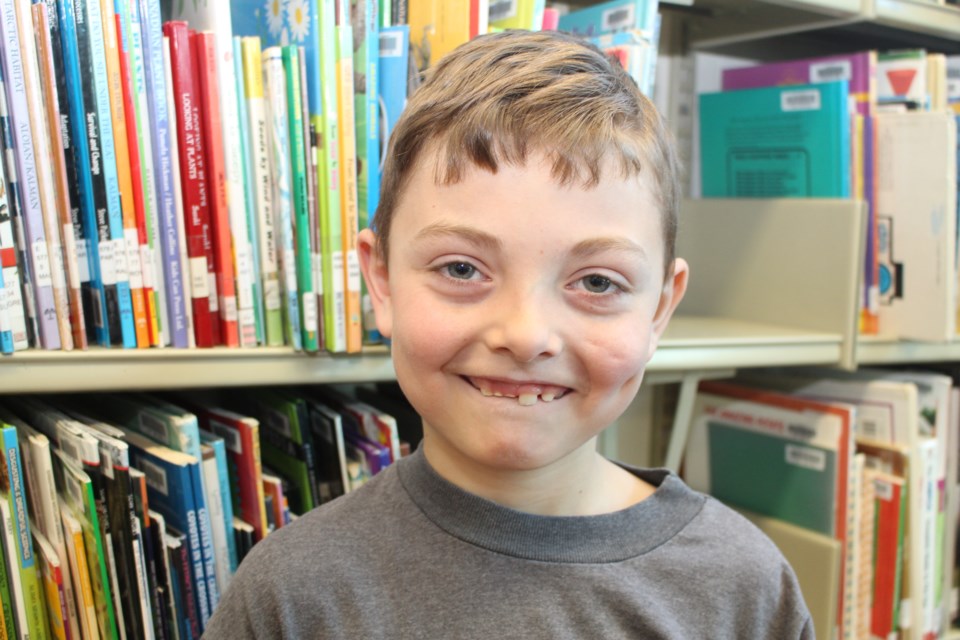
<point x="334" y="285"/>
<point x="280" y="162"/>
<point x="203" y="49"/>
<point x="164" y="170"/>
<point x="86" y="606"/>
<point x="303" y="251"/>
<point x="191" y="618"/>
<point x="248" y="192"/>
<point x="84" y="215"/>
<point x="47" y="35"/>
<point x="218" y="531"/>
<point x="10" y="559"/>
<point x="102" y="152"/>
<point x="227" y="500"/>
<point x="124" y="168"/>
<point x="7" y="612"/>
<point x="310" y="141"/>
<point x="15" y="336"/>
<point x="348" y="184"/>
<point x="262" y="184"/>
<point x="35" y="248"/>
<point x="195" y="214"/>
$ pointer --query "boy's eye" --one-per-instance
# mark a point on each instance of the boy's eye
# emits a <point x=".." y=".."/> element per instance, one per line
<point x="460" y="270"/>
<point x="597" y="284"/>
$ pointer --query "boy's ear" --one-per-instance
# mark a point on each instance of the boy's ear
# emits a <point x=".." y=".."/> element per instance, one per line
<point x="674" y="287"/>
<point x="374" y="269"/>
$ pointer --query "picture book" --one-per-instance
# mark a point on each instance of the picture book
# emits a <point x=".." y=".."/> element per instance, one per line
<point x="612" y="17"/>
<point x="776" y="142"/>
<point x="218" y="446"/>
<point x="79" y="571"/>
<point x="902" y="78"/>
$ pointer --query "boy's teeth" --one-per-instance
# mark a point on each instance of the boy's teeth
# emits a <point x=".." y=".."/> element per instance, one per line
<point x="527" y="399"/>
<point x="486" y="392"/>
<point x="547" y="397"/>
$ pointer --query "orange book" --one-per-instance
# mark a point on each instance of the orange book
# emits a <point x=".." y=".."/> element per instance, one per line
<point x="130" y="235"/>
<point x="203" y="46"/>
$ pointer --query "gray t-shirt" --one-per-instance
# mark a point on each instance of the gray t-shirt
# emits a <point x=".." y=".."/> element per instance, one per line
<point x="410" y="555"/>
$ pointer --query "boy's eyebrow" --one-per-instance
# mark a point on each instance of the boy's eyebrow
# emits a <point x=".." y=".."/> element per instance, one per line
<point x="593" y="246"/>
<point x="474" y="236"/>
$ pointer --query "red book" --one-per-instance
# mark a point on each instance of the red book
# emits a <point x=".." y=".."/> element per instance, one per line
<point x="192" y="181"/>
<point x="203" y="46"/>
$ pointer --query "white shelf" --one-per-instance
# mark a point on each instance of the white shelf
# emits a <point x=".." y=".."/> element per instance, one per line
<point x="123" y="370"/>
<point x="919" y="16"/>
<point x="886" y="350"/>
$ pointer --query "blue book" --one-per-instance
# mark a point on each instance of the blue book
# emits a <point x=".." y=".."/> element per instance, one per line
<point x="776" y="142"/>
<point x="226" y="491"/>
<point x="366" y="64"/>
<point x="392" y="85"/>
<point x="170" y="488"/>
<point x="147" y="13"/>
<point x="612" y="17"/>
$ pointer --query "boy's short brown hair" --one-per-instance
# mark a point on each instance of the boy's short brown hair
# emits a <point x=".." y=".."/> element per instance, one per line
<point x="503" y="96"/>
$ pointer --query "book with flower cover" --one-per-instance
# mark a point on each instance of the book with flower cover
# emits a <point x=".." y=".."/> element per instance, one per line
<point x="203" y="49"/>
<point x="216" y="17"/>
<point x="192" y="182"/>
<point x="161" y="120"/>
<point x="47" y="37"/>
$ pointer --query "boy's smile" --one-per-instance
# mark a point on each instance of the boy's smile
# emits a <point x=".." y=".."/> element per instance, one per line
<point x="522" y="314"/>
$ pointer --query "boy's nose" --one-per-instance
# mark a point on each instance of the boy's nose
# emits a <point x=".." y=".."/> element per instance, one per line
<point x="525" y="328"/>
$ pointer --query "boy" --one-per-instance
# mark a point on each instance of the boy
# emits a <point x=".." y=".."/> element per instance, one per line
<point x="523" y="266"/>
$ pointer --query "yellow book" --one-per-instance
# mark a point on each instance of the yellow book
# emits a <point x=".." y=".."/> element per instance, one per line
<point x="80" y="572"/>
<point x="437" y="28"/>
<point x="348" y="187"/>
<point x="51" y="572"/>
<point x="131" y="236"/>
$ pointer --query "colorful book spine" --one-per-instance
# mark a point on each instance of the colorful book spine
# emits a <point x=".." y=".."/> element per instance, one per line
<point x="313" y="198"/>
<point x="298" y="181"/>
<point x="203" y="49"/>
<point x="110" y="233"/>
<point x="262" y="184"/>
<point x="249" y="191"/>
<point x="36" y="248"/>
<point x="14" y="336"/>
<point x="348" y="180"/>
<point x="92" y="290"/>
<point x="47" y="35"/>
<point x="163" y="169"/>
<point x="196" y="217"/>
<point x="125" y="168"/>
<point x="331" y="236"/>
<point x="366" y="62"/>
<point x="280" y="163"/>
<point x="79" y="570"/>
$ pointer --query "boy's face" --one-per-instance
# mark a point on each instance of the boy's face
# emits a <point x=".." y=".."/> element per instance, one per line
<point x="506" y="289"/>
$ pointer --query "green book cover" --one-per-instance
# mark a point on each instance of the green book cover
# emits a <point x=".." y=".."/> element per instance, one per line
<point x="283" y="445"/>
<point x="6" y="603"/>
<point x="301" y="213"/>
<point x="773" y="476"/>
<point x="776" y="142"/>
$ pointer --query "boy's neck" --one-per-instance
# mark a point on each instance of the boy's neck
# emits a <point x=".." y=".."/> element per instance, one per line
<point x="582" y="484"/>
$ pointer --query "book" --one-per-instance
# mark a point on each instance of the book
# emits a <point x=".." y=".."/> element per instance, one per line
<point x="52" y="573"/>
<point x="178" y="552"/>
<point x="516" y="14"/>
<point x="776" y="142"/>
<point x="902" y="78"/>
<point x="14" y="335"/>
<point x="8" y="615"/>
<point x="437" y="28"/>
<point x="219" y="447"/>
<point x="326" y="427"/>
<point x="153" y="599"/>
<point x="616" y="16"/>
<point x="10" y="562"/>
<point x="80" y="572"/>
<point x="213" y="492"/>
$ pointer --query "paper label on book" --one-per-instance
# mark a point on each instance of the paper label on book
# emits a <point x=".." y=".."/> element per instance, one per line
<point x="278" y="423"/>
<point x="502" y="10"/>
<point x="953" y="88"/>
<point x="106" y="466"/>
<point x="73" y="488"/>
<point x="353" y="271"/>
<point x="309" y="311"/>
<point x="6" y="309"/>
<point x="41" y="265"/>
<point x="289" y="271"/>
<point x="618" y="18"/>
<point x="212" y="288"/>
<point x="120" y="259"/>
<point x="883" y="489"/>
<point x="244" y="272"/>
<point x="132" y="247"/>
<point x="271" y="294"/>
<point x="229" y="305"/>
<point x="800" y="100"/>
<point x="231" y="439"/>
<point x="58" y="270"/>
<point x="391" y="44"/>
<point x="831" y="71"/>
<point x="70" y="251"/>
<point x="317" y="263"/>
<point x="83" y="260"/>
<point x="147" y="261"/>
<point x="806" y="457"/>
<point x="155" y="475"/>
<point x="154" y="427"/>
<point x="198" y="278"/>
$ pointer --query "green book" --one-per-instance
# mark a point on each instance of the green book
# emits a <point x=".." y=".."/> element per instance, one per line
<point x="309" y="326"/>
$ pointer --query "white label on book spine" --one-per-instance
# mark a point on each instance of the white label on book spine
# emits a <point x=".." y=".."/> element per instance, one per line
<point x="391" y="45"/>
<point x="132" y="247"/>
<point x="231" y="439"/>
<point x="58" y="272"/>
<point x="229" y="305"/>
<point x="502" y="9"/>
<point x="41" y="264"/>
<point x="884" y="489"/>
<point x="155" y="475"/>
<point x="244" y="273"/>
<point x="353" y="271"/>
<point x="278" y="423"/>
<point x="120" y="259"/>
<point x="149" y="271"/>
<point x="289" y="271"/>
<point x="618" y="18"/>
<point x="73" y="488"/>
<point x="212" y="289"/>
<point x="83" y="260"/>
<point x="154" y="427"/>
<point x="953" y="89"/>
<point x="317" y="273"/>
<point x="271" y="294"/>
<point x="806" y="457"/>
<point x="70" y="251"/>
<point x="106" y="465"/>
<point x="800" y="100"/>
<point x="310" y="311"/>
<point x="6" y="309"/>
<point x="831" y="71"/>
<point x="198" y="277"/>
